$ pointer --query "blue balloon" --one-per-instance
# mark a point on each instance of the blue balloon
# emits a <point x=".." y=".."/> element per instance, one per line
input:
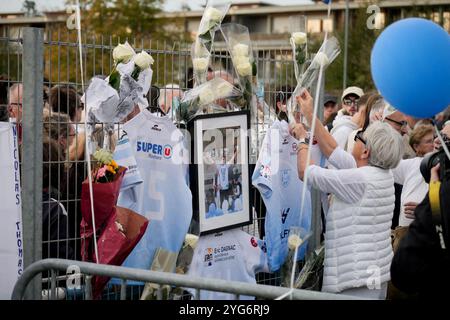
<point x="410" y="66"/>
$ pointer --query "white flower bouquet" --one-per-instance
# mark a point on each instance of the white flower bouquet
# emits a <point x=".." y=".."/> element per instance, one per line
<point x="205" y="98"/>
<point x="211" y="20"/>
<point x="110" y="100"/>
<point x="298" y="41"/>
<point x="327" y="53"/>
<point x="296" y="240"/>
<point x="239" y="45"/>
<point x="200" y="61"/>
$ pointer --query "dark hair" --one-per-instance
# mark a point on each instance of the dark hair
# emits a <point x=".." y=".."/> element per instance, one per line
<point x="328" y="122"/>
<point x="372" y="100"/>
<point x="283" y="94"/>
<point x="64" y="99"/>
<point x="53" y="164"/>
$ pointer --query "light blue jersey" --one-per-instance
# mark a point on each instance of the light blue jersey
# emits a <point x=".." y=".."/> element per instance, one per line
<point x="164" y="196"/>
<point x="276" y="178"/>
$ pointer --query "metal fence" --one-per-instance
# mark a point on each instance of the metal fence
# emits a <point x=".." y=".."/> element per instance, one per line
<point x="42" y="60"/>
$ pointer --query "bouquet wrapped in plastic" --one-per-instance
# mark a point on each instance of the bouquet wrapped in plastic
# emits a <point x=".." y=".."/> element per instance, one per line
<point x="107" y="178"/>
<point x="296" y="242"/>
<point x="123" y="231"/>
<point x="206" y="98"/>
<point x="239" y="45"/>
<point x="110" y="100"/>
<point x="212" y="17"/>
<point x="299" y="44"/>
<point x="200" y="61"/>
<point x="327" y="53"/>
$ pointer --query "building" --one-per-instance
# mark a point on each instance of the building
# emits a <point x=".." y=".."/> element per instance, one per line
<point x="268" y="24"/>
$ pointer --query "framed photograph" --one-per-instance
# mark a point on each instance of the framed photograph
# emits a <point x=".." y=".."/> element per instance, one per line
<point x="221" y="175"/>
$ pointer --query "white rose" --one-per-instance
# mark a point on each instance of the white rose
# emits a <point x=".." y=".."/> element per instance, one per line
<point x="294" y="241"/>
<point x="206" y="96"/>
<point x="321" y="59"/>
<point x="123" y="53"/>
<point x="299" y="38"/>
<point x="200" y="64"/>
<point x="143" y="60"/>
<point x="224" y="89"/>
<point x="244" y="69"/>
<point x="241" y="60"/>
<point x="240" y="50"/>
<point x="213" y="14"/>
<point x="191" y="240"/>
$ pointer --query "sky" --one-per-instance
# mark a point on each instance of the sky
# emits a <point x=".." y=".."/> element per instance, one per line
<point x="170" y="5"/>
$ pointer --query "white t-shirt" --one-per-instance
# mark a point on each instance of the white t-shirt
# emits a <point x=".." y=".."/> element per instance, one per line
<point x="230" y="255"/>
<point x="414" y="189"/>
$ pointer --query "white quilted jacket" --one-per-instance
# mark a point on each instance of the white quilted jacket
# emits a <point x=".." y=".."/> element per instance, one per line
<point x="357" y="240"/>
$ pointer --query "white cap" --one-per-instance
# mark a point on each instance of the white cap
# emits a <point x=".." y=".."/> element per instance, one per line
<point x="352" y="90"/>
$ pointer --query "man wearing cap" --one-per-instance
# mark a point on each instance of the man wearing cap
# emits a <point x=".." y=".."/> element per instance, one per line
<point x="350" y="99"/>
<point x="329" y="110"/>
<point x="343" y="125"/>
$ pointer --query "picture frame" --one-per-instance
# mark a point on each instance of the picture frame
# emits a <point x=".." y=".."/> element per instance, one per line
<point x="220" y="177"/>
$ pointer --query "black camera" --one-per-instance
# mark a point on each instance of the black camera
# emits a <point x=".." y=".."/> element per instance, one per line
<point x="432" y="159"/>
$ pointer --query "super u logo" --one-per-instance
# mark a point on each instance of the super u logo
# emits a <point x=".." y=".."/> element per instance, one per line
<point x="167" y="151"/>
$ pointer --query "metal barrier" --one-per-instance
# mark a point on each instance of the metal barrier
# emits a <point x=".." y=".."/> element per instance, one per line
<point x="233" y="287"/>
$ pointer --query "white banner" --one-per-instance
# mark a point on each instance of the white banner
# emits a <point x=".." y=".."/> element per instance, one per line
<point x="11" y="244"/>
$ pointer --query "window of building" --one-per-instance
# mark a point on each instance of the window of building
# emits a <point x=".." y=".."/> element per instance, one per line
<point x="320" y="24"/>
<point x="447" y="21"/>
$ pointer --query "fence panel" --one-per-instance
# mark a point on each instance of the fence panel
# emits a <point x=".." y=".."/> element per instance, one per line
<point x="62" y="174"/>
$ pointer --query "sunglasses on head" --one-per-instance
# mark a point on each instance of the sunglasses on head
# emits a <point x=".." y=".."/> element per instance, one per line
<point x="400" y="123"/>
<point x="359" y="136"/>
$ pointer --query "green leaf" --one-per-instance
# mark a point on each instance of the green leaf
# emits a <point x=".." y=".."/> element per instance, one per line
<point x="136" y="72"/>
<point x="114" y="79"/>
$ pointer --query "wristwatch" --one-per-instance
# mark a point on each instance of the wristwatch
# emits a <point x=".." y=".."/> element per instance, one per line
<point x="304" y="141"/>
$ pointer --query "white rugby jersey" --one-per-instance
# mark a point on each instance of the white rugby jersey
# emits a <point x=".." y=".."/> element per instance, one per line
<point x="164" y="196"/>
<point x="276" y="178"/>
<point x="230" y="255"/>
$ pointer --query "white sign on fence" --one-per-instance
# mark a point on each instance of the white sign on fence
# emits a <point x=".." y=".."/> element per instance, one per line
<point x="11" y="243"/>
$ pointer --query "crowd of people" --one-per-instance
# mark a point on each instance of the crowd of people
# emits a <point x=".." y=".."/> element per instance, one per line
<point x="374" y="182"/>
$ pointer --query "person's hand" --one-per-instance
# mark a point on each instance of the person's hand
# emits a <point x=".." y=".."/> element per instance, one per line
<point x="306" y="104"/>
<point x="435" y="173"/>
<point x="357" y="118"/>
<point x="409" y="209"/>
<point x="298" y="131"/>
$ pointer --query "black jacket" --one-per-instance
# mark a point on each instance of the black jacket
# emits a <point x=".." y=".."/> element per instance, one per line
<point x="420" y="265"/>
<point x="55" y="233"/>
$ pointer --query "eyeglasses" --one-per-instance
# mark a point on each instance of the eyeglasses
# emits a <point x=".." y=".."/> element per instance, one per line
<point x="349" y="102"/>
<point x="358" y="136"/>
<point x="15" y="104"/>
<point x="402" y="124"/>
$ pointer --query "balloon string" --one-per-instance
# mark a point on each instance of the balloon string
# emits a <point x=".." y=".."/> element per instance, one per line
<point x="87" y="132"/>
<point x="442" y="142"/>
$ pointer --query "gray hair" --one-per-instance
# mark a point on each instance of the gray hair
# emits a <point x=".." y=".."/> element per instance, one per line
<point x="385" y="145"/>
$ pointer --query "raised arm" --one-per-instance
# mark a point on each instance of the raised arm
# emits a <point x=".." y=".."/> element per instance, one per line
<point x="326" y="142"/>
